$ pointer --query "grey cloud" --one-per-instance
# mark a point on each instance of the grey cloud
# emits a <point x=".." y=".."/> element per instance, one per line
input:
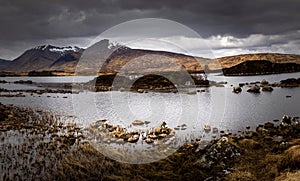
<point x="34" y="21"/>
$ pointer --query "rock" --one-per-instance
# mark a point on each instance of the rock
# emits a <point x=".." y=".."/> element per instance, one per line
<point x="138" y="122"/>
<point x="288" y="96"/>
<point x="163" y="125"/>
<point x="140" y="90"/>
<point x="237" y="89"/>
<point x="241" y="84"/>
<point x="260" y="128"/>
<point x="286" y="120"/>
<point x="156" y="130"/>
<point x="133" y="139"/>
<point x="267" y="88"/>
<point x="207" y="128"/>
<point x="148" y="140"/>
<point x="153" y="136"/>
<point x="247" y="127"/>
<point x="163" y="135"/>
<point x="254" y="89"/>
<point x="264" y="82"/>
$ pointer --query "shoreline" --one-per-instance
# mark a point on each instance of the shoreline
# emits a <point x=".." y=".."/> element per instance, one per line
<point x="276" y="148"/>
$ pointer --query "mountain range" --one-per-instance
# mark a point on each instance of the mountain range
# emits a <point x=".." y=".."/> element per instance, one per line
<point x="118" y="58"/>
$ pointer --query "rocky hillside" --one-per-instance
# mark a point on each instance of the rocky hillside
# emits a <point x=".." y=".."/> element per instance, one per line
<point x="118" y="58"/>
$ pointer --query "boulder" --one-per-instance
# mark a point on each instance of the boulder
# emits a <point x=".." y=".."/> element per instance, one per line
<point x="133" y="139"/>
<point x="264" y="82"/>
<point x="237" y="89"/>
<point x="148" y="140"/>
<point x="241" y="84"/>
<point x="207" y="128"/>
<point x="254" y="89"/>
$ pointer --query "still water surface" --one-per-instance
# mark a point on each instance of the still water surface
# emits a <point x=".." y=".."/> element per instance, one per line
<point x="217" y="106"/>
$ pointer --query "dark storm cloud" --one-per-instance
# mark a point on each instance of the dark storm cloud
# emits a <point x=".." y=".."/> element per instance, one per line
<point x="33" y="21"/>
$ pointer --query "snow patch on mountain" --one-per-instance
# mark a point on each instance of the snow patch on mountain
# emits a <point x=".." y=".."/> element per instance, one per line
<point x="61" y="50"/>
<point x="64" y="49"/>
<point x="114" y="45"/>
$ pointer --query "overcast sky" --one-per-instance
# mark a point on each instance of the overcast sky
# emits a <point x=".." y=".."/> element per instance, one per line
<point x="229" y="27"/>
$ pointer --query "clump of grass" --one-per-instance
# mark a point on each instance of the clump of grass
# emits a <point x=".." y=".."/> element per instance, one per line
<point x="289" y="176"/>
<point x="249" y="144"/>
<point x="291" y="158"/>
<point x="240" y="175"/>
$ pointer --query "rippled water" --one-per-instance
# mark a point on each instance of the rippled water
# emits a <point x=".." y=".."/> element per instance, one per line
<point x="217" y="106"/>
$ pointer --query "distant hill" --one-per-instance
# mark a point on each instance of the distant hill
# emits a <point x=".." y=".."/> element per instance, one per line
<point x="38" y="58"/>
<point x="106" y="56"/>
<point x="258" y="67"/>
<point x="230" y="61"/>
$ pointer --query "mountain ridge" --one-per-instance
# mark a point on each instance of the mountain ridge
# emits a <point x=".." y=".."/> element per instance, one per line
<point x="121" y="58"/>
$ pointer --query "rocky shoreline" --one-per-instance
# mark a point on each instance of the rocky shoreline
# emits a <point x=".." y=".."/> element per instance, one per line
<point x="39" y="145"/>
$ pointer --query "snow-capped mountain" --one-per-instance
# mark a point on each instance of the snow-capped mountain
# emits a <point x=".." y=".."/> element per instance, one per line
<point x="40" y="58"/>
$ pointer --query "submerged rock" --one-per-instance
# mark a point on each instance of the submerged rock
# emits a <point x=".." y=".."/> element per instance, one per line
<point x="138" y="122"/>
<point x="267" y="88"/>
<point x="191" y="92"/>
